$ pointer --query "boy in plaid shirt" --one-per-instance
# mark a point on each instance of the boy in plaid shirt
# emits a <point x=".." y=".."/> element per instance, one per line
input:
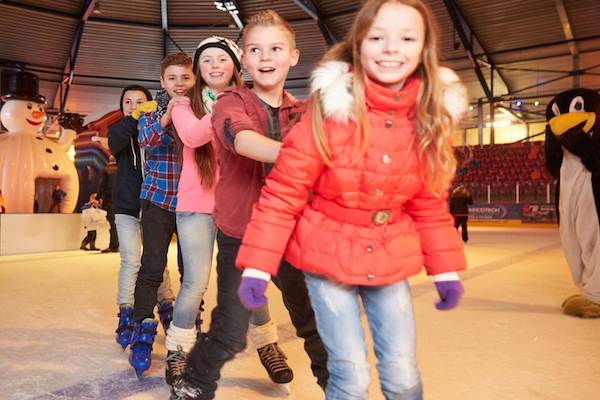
<point x="158" y="202"/>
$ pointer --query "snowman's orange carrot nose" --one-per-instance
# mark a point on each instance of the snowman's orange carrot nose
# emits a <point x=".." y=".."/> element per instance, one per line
<point x="38" y="114"/>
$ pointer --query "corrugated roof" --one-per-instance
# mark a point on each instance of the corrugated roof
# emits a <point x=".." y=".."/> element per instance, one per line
<point x="72" y="7"/>
<point x="340" y="25"/>
<point x="192" y="12"/>
<point x="188" y="39"/>
<point x="329" y="8"/>
<point x="312" y="46"/>
<point x="508" y="24"/>
<point x="287" y="9"/>
<point x="124" y="43"/>
<point x="121" y="51"/>
<point x="130" y="10"/>
<point x="34" y="37"/>
<point x="585" y="15"/>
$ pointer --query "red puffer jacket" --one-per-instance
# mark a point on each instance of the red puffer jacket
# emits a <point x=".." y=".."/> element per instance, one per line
<point x="370" y="223"/>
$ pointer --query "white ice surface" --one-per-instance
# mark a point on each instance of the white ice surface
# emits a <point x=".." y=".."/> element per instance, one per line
<point x="508" y="339"/>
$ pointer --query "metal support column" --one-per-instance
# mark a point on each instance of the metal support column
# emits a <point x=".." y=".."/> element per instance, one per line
<point x="69" y="69"/>
<point x="309" y="7"/>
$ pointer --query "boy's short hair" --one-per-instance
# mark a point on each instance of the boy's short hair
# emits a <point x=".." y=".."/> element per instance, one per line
<point x="180" y="58"/>
<point x="269" y="18"/>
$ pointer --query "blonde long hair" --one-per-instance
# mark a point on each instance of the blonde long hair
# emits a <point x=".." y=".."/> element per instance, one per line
<point x="434" y="124"/>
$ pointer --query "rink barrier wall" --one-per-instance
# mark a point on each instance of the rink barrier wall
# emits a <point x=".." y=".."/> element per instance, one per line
<point x="39" y="233"/>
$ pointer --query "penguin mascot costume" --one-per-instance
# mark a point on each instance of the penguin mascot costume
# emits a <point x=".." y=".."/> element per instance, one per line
<point x="573" y="157"/>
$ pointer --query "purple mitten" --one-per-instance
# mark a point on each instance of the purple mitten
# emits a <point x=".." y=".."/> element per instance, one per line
<point x="252" y="292"/>
<point x="450" y="293"/>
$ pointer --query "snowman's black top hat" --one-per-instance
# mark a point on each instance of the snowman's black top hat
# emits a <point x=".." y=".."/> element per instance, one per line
<point x="21" y="85"/>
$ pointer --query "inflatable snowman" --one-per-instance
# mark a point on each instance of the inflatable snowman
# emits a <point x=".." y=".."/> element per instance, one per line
<point x="31" y="163"/>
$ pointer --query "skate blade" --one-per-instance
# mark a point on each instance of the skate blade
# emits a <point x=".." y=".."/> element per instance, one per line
<point x="139" y="373"/>
<point x="283" y="388"/>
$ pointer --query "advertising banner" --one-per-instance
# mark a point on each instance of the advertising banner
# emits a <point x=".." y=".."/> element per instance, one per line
<point x="539" y="213"/>
<point x="486" y="212"/>
<point x="525" y="212"/>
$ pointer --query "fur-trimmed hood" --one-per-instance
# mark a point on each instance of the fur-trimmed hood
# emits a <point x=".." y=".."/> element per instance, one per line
<point x="334" y="81"/>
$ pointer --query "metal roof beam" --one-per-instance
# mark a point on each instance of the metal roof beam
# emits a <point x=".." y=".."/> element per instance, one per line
<point x="531" y="47"/>
<point x="309" y="7"/>
<point x="452" y="9"/>
<point x="566" y="27"/>
<point x="69" y="68"/>
<point x="460" y="23"/>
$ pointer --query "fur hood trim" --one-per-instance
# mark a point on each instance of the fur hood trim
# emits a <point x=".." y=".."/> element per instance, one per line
<point x="334" y="80"/>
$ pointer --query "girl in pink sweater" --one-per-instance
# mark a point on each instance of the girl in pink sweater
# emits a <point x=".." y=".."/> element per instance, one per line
<point x="216" y="67"/>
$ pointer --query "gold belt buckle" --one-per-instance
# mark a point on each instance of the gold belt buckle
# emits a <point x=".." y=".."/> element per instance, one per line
<point x="381" y="217"/>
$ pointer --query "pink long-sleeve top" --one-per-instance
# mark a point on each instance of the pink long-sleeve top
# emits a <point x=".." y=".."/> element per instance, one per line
<point x="192" y="196"/>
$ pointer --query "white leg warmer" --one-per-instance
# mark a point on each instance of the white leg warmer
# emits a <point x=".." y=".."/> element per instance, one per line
<point x="180" y="337"/>
<point x="262" y="335"/>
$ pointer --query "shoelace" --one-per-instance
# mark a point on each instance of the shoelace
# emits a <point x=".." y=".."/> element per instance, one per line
<point x="273" y="357"/>
<point x="176" y="362"/>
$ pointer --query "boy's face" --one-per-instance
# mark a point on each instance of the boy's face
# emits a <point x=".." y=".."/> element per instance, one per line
<point x="268" y="55"/>
<point x="177" y="80"/>
<point x="131" y="99"/>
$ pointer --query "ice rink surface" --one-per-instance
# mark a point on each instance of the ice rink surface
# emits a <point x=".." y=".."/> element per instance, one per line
<point x="507" y="340"/>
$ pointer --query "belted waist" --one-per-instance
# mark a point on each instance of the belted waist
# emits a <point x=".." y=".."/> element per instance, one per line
<point x="355" y="216"/>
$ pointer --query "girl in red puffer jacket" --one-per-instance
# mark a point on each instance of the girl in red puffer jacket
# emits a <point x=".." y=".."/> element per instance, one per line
<point x="375" y="152"/>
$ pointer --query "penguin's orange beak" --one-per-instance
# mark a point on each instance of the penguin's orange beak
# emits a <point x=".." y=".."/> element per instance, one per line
<point x="562" y="123"/>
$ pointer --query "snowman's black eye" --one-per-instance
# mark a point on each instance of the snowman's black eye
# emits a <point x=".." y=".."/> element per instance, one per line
<point x="29" y="106"/>
<point x="555" y="109"/>
<point x="577" y="104"/>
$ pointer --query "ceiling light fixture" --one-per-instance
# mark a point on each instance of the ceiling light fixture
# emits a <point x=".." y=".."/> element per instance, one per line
<point x="232" y="9"/>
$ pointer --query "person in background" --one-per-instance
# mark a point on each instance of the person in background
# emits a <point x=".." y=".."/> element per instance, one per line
<point x="358" y="197"/>
<point x="57" y="196"/>
<point x="123" y="144"/>
<point x="91" y="221"/>
<point x="460" y="200"/>
<point x="105" y="194"/>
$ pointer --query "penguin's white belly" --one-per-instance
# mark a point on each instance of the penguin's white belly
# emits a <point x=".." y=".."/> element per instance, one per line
<point x="579" y="228"/>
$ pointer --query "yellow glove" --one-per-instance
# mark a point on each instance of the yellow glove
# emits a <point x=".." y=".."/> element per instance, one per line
<point x="145" y="107"/>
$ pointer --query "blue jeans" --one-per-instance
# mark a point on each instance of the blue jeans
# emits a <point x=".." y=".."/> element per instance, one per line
<point x="229" y="321"/>
<point x="130" y="249"/>
<point x="196" y="234"/>
<point x="390" y="316"/>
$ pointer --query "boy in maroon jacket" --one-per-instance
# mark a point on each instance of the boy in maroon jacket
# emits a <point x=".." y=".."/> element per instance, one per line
<point x="249" y="125"/>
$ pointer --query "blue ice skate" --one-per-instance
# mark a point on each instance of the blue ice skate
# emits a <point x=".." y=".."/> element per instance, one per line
<point x="125" y="327"/>
<point x="142" y="339"/>
<point x="165" y="313"/>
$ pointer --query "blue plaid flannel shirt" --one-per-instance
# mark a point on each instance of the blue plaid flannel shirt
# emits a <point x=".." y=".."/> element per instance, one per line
<point x="162" y="166"/>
